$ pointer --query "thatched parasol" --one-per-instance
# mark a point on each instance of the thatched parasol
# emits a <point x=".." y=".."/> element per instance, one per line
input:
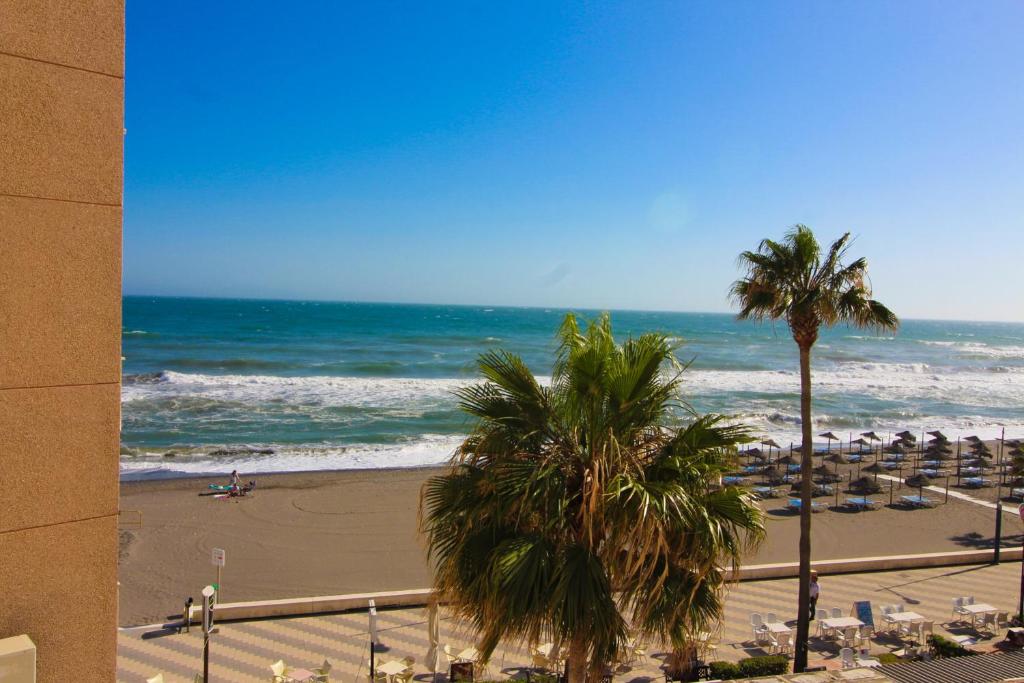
<point x="875" y="467"/>
<point x="825" y="474"/>
<point x="838" y="458"/>
<point x="973" y="439"/>
<point x="871" y="435"/>
<point x="830" y="437"/>
<point x="787" y="460"/>
<point x="919" y="480"/>
<point x="859" y="441"/>
<point x="771" y="443"/>
<point x="907" y="436"/>
<point x="865" y="485"/>
<point x="773" y="475"/>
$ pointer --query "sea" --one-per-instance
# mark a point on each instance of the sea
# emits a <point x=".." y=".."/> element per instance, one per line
<point x="211" y="385"/>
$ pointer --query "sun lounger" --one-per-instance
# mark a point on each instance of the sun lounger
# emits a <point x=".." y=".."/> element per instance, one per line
<point x="919" y="501"/>
<point x="765" y="492"/>
<point x="794" y="504"/>
<point x="976" y="482"/>
<point x="862" y="503"/>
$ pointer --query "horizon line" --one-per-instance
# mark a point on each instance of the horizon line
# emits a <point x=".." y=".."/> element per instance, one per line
<point x="568" y="309"/>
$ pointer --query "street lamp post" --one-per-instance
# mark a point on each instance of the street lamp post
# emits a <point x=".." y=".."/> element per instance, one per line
<point x="1020" y="603"/>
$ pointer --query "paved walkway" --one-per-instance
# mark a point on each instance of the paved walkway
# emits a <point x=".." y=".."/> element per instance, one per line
<point x="243" y="651"/>
<point x="1007" y="509"/>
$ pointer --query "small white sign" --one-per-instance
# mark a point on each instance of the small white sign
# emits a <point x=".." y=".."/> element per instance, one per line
<point x="218" y="557"/>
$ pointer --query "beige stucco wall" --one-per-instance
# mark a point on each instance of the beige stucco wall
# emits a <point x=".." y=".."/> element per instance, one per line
<point x="61" y="135"/>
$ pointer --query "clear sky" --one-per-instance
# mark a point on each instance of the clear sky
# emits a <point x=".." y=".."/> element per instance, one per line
<point x="606" y="155"/>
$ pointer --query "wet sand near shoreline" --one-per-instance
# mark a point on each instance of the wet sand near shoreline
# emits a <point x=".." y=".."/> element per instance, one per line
<point x="322" y="533"/>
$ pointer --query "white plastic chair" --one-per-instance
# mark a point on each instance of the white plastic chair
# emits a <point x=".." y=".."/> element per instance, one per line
<point x="159" y="678"/>
<point x="782" y="642"/>
<point x="323" y="674"/>
<point x="958" y="609"/>
<point x="847" y="656"/>
<point x="850" y="637"/>
<point x="278" y="669"/>
<point x="969" y="600"/>
<point x="821" y="615"/>
<point x="837" y="613"/>
<point x="758" y="628"/>
<point x="771" y="618"/>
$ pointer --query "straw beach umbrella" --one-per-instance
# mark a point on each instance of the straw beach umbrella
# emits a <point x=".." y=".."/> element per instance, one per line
<point x="919" y="480"/>
<point x="838" y="458"/>
<point x="907" y="437"/>
<point x="864" y="485"/>
<point x="825" y="474"/>
<point x="875" y="467"/>
<point x="830" y="437"/>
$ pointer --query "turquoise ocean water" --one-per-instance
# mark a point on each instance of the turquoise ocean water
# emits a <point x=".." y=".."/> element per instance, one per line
<point x="289" y="385"/>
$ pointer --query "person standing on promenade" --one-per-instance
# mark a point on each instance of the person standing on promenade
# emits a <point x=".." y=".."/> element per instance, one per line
<point x="815" y="589"/>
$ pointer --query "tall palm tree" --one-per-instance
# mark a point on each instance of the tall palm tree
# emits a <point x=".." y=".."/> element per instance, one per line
<point x="574" y="504"/>
<point x="791" y="280"/>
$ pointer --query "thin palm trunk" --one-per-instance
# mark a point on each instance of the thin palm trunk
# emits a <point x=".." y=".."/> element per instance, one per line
<point x="806" y="462"/>
<point x="577" y="660"/>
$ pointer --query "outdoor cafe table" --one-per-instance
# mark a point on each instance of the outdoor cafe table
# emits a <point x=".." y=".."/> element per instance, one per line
<point x="392" y="668"/>
<point x="841" y="622"/>
<point x="777" y="627"/>
<point x="904" y="617"/>
<point x="978" y="608"/>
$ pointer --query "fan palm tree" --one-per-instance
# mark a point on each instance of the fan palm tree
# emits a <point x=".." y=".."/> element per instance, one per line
<point x="572" y="505"/>
<point x="791" y="280"/>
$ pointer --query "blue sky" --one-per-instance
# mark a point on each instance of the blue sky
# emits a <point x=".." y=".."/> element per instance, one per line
<point x="607" y="155"/>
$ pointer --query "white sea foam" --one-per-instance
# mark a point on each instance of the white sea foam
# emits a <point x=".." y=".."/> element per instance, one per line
<point x="996" y="387"/>
<point x="887" y="381"/>
<point x="978" y="350"/>
<point x="331" y="391"/>
<point x="862" y="396"/>
<point x="425" y="450"/>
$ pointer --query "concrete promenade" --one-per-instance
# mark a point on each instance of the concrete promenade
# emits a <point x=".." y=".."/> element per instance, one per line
<point x="243" y="651"/>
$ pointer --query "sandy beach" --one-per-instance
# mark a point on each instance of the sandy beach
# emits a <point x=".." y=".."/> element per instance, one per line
<point x="316" y="533"/>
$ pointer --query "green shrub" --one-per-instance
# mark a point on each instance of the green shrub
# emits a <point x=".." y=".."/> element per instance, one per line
<point x="943" y="647"/>
<point x="750" y="667"/>
<point x="764" y="666"/>
<point x="889" y="658"/>
<point x="725" y="671"/>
